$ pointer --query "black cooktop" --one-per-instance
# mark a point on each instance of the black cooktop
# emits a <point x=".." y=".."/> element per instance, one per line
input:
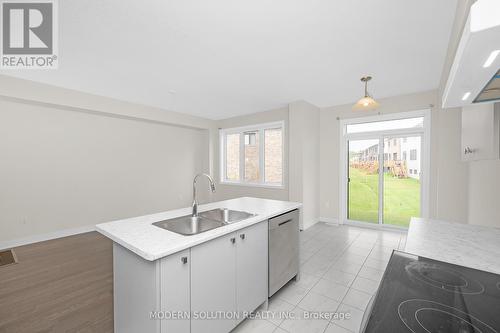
<point x="422" y="295"/>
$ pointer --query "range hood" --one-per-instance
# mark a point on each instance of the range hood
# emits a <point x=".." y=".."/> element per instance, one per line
<point x="474" y="75"/>
<point x="491" y="92"/>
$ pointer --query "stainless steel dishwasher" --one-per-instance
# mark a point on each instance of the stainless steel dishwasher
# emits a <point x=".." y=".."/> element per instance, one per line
<point x="283" y="249"/>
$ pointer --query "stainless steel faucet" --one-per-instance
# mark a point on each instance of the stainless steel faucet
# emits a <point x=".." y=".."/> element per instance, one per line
<point x="195" y="202"/>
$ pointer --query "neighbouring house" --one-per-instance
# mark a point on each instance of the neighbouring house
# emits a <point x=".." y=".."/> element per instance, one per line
<point x="407" y="149"/>
<point x="411" y="153"/>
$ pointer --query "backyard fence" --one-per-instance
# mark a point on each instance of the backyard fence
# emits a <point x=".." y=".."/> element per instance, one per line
<point x="397" y="169"/>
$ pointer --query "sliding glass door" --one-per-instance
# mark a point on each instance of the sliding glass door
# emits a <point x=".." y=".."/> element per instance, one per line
<point x="401" y="187"/>
<point x="363" y="181"/>
<point x="383" y="176"/>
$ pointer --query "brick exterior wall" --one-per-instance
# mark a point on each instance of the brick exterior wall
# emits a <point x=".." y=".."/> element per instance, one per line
<point x="273" y="156"/>
<point x="273" y="161"/>
<point x="233" y="157"/>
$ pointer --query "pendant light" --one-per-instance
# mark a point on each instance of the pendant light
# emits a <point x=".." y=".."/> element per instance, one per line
<point x="367" y="102"/>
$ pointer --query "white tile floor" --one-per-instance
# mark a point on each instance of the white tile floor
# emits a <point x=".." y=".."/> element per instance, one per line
<point x="341" y="267"/>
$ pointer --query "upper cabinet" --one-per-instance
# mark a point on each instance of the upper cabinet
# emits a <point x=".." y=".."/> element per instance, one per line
<point x="480" y="132"/>
<point x="477" y="60"/>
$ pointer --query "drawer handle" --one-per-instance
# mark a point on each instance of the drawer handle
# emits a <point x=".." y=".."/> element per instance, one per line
<point x="184" y="260"/>
<point x="233" y="240"/>
<point x="242" y="236"/>
<point x="279" y="224"/>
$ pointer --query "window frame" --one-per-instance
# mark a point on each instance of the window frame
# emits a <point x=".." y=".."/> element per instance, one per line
<point x="223" y="132"/>
<point x="424" y="132"/>
<point x="413" y="155"/>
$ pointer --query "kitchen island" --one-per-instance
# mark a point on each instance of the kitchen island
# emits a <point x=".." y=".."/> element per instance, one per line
<point x="466" y="245"/>
<point x="443" y="282"/>
<point x="207" y="282"/>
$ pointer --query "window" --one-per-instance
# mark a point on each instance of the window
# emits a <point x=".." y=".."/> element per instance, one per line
<point x="252" y="170"/>
<point x="250" y="138"/>
<point x="232" y="157"/>
<point x="273" y="156"/>
<point x="252" y="155"/>
<point x="413" y="154"/>
<point x="417" y="122"/>
<point x="392" y="191"/>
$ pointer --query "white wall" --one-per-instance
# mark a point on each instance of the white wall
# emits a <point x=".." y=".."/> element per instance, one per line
<point x="448" y="190"/>
<point x="301" y="160"/>
<point x="19" y="89"/>
<point x="66" y="167"/>
<point x="304" y="159"/>
<point x="225" y="191"/>
<point x="484" y="193"/>
<point x="482" y="177"/>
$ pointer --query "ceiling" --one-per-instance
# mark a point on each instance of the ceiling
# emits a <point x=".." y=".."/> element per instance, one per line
<point x="223" y="58"/>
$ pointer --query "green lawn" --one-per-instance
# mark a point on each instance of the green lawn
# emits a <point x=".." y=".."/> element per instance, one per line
<point x="401" y="198"/>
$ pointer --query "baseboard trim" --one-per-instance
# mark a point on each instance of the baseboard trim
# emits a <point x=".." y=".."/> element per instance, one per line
<point x="329" y="220"/>
<point x="313" y="222"/>
<point x="45" y="237"/>
<point x="376" y="226"/>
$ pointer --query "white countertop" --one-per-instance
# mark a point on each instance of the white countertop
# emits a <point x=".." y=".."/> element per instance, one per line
<point x="150" y="242"/>
<point x="461" y="244"/>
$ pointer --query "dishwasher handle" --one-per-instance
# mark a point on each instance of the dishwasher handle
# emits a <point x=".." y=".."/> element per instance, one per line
<point x="280" y="224"/>
<point x="284" y="219"/>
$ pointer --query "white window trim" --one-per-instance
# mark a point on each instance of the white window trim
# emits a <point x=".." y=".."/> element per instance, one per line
<point x="223" y="132"/>
<point x="425" y="133"/>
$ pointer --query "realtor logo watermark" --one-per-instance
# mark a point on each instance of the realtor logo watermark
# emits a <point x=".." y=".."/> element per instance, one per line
<point x="29" y="34"/>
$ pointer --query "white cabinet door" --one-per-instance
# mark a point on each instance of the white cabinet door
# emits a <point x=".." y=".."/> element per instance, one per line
<point x="251" y="267"/>
<point x="480" y="132"/>
<point x="213" y="284"/>
<point x="175" y="295"/>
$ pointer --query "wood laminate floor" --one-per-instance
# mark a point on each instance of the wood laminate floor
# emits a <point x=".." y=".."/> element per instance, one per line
<point x="62" y="285"/>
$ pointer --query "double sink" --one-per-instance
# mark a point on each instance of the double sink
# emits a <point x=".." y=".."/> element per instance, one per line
<point x="211" y="219"/>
